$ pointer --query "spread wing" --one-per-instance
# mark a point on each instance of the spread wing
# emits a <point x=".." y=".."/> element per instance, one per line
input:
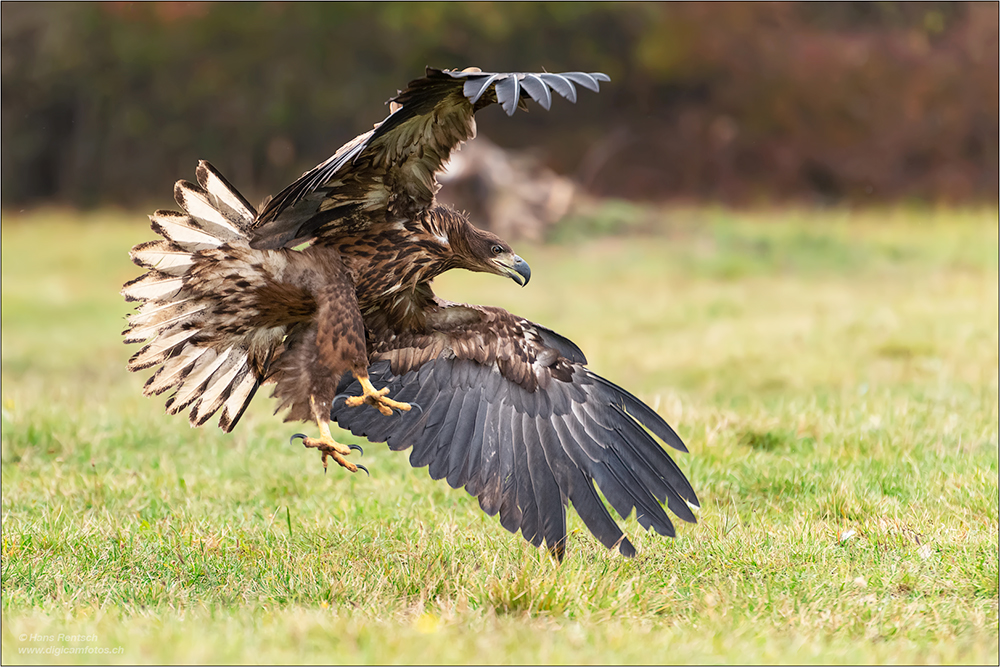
<point x="389" y="172"/>
<point x="511" y="413"/>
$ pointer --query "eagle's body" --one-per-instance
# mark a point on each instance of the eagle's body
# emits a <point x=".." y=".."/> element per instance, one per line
<point x="508" y="408"/>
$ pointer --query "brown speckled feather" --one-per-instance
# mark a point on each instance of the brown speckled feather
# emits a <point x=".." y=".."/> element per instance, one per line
<point x="387" y="175"/>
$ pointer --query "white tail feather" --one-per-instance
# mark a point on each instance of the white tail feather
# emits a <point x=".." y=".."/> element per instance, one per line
<point x="157" y="351"/>
<point x="208" y="355"/>
<point x="137" y="334"/>
<point x="217" y="390"/>
<point x="151" y="311"/>
<point x="183" y="230"/>
<point x="218" y="382"/>
<point x="175" y="369"/>
<point x="153" y="285"/>
<point x="201" y="378"/>
<point x="163" y="256"/>
<point x="196" y="202"/>
<point x="239" y="397"/>
<point x="196" y="381"/>
<point x="224" y="194"/>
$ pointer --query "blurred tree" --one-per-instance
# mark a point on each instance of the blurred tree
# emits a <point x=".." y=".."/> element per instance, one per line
<point x="107" y="102"/>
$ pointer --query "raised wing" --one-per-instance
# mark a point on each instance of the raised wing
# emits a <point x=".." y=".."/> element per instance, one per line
<point x="511" y="413"/>
<point x="388" y="174"/>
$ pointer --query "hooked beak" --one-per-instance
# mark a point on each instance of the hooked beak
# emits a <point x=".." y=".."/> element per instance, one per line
<point x="516" y="269"/>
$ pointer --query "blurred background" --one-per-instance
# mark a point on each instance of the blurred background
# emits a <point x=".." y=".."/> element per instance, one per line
<point x="759" y="103"/>
<point x="777" y="227"/>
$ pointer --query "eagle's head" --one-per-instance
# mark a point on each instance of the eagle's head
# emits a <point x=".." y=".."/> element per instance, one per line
<point x="476" y="249"/>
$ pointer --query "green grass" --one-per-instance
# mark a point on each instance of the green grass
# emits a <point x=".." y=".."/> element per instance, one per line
<point x="834" y="374"/>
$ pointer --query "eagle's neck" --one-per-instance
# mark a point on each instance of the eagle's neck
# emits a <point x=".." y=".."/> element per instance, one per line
<point x="391" y="262"/>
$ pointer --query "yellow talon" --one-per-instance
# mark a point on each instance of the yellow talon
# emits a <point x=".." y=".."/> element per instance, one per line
<point x="327" y="446"/>
<point x="376" y="398"/>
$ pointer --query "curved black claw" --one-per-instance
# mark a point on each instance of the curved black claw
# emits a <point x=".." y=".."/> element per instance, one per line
<point x="291" y="440"/>
<point x="358" y="448"/>
<point x="339" y="396"/>
<point x="414" y="406"/>
<point x="361" y="467"/>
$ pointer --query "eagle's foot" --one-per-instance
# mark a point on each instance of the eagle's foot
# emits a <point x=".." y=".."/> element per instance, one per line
<point x="376" y="398"/>
<point x="330" y="448"/>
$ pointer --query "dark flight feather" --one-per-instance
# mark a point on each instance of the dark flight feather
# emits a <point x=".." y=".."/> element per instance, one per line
<point x="545" y="447"/>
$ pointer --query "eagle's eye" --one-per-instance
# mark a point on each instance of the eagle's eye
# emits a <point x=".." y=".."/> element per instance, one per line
<point x="497" y="249"/>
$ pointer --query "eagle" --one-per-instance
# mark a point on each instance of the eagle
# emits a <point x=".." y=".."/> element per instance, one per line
<point x="325" y="293"/>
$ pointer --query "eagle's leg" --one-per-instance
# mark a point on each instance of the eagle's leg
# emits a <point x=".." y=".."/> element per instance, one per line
<point x="375" y="398"/>
<point x="327" y="446"/>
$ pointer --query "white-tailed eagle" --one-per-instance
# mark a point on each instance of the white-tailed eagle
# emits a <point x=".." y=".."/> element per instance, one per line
<point x="326" y="294"/>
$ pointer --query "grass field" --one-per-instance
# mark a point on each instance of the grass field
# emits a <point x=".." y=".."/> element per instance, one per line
<point x="834" y="374"/>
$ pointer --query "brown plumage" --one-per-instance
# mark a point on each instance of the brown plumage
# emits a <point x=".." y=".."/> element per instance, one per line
<point x="508" y="408"/>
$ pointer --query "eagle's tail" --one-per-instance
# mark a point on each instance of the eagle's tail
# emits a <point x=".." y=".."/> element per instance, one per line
<point x="190" y="316"/>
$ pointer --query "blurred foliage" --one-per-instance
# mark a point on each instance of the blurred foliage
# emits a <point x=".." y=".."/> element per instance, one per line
<point x="850" y="102"/>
